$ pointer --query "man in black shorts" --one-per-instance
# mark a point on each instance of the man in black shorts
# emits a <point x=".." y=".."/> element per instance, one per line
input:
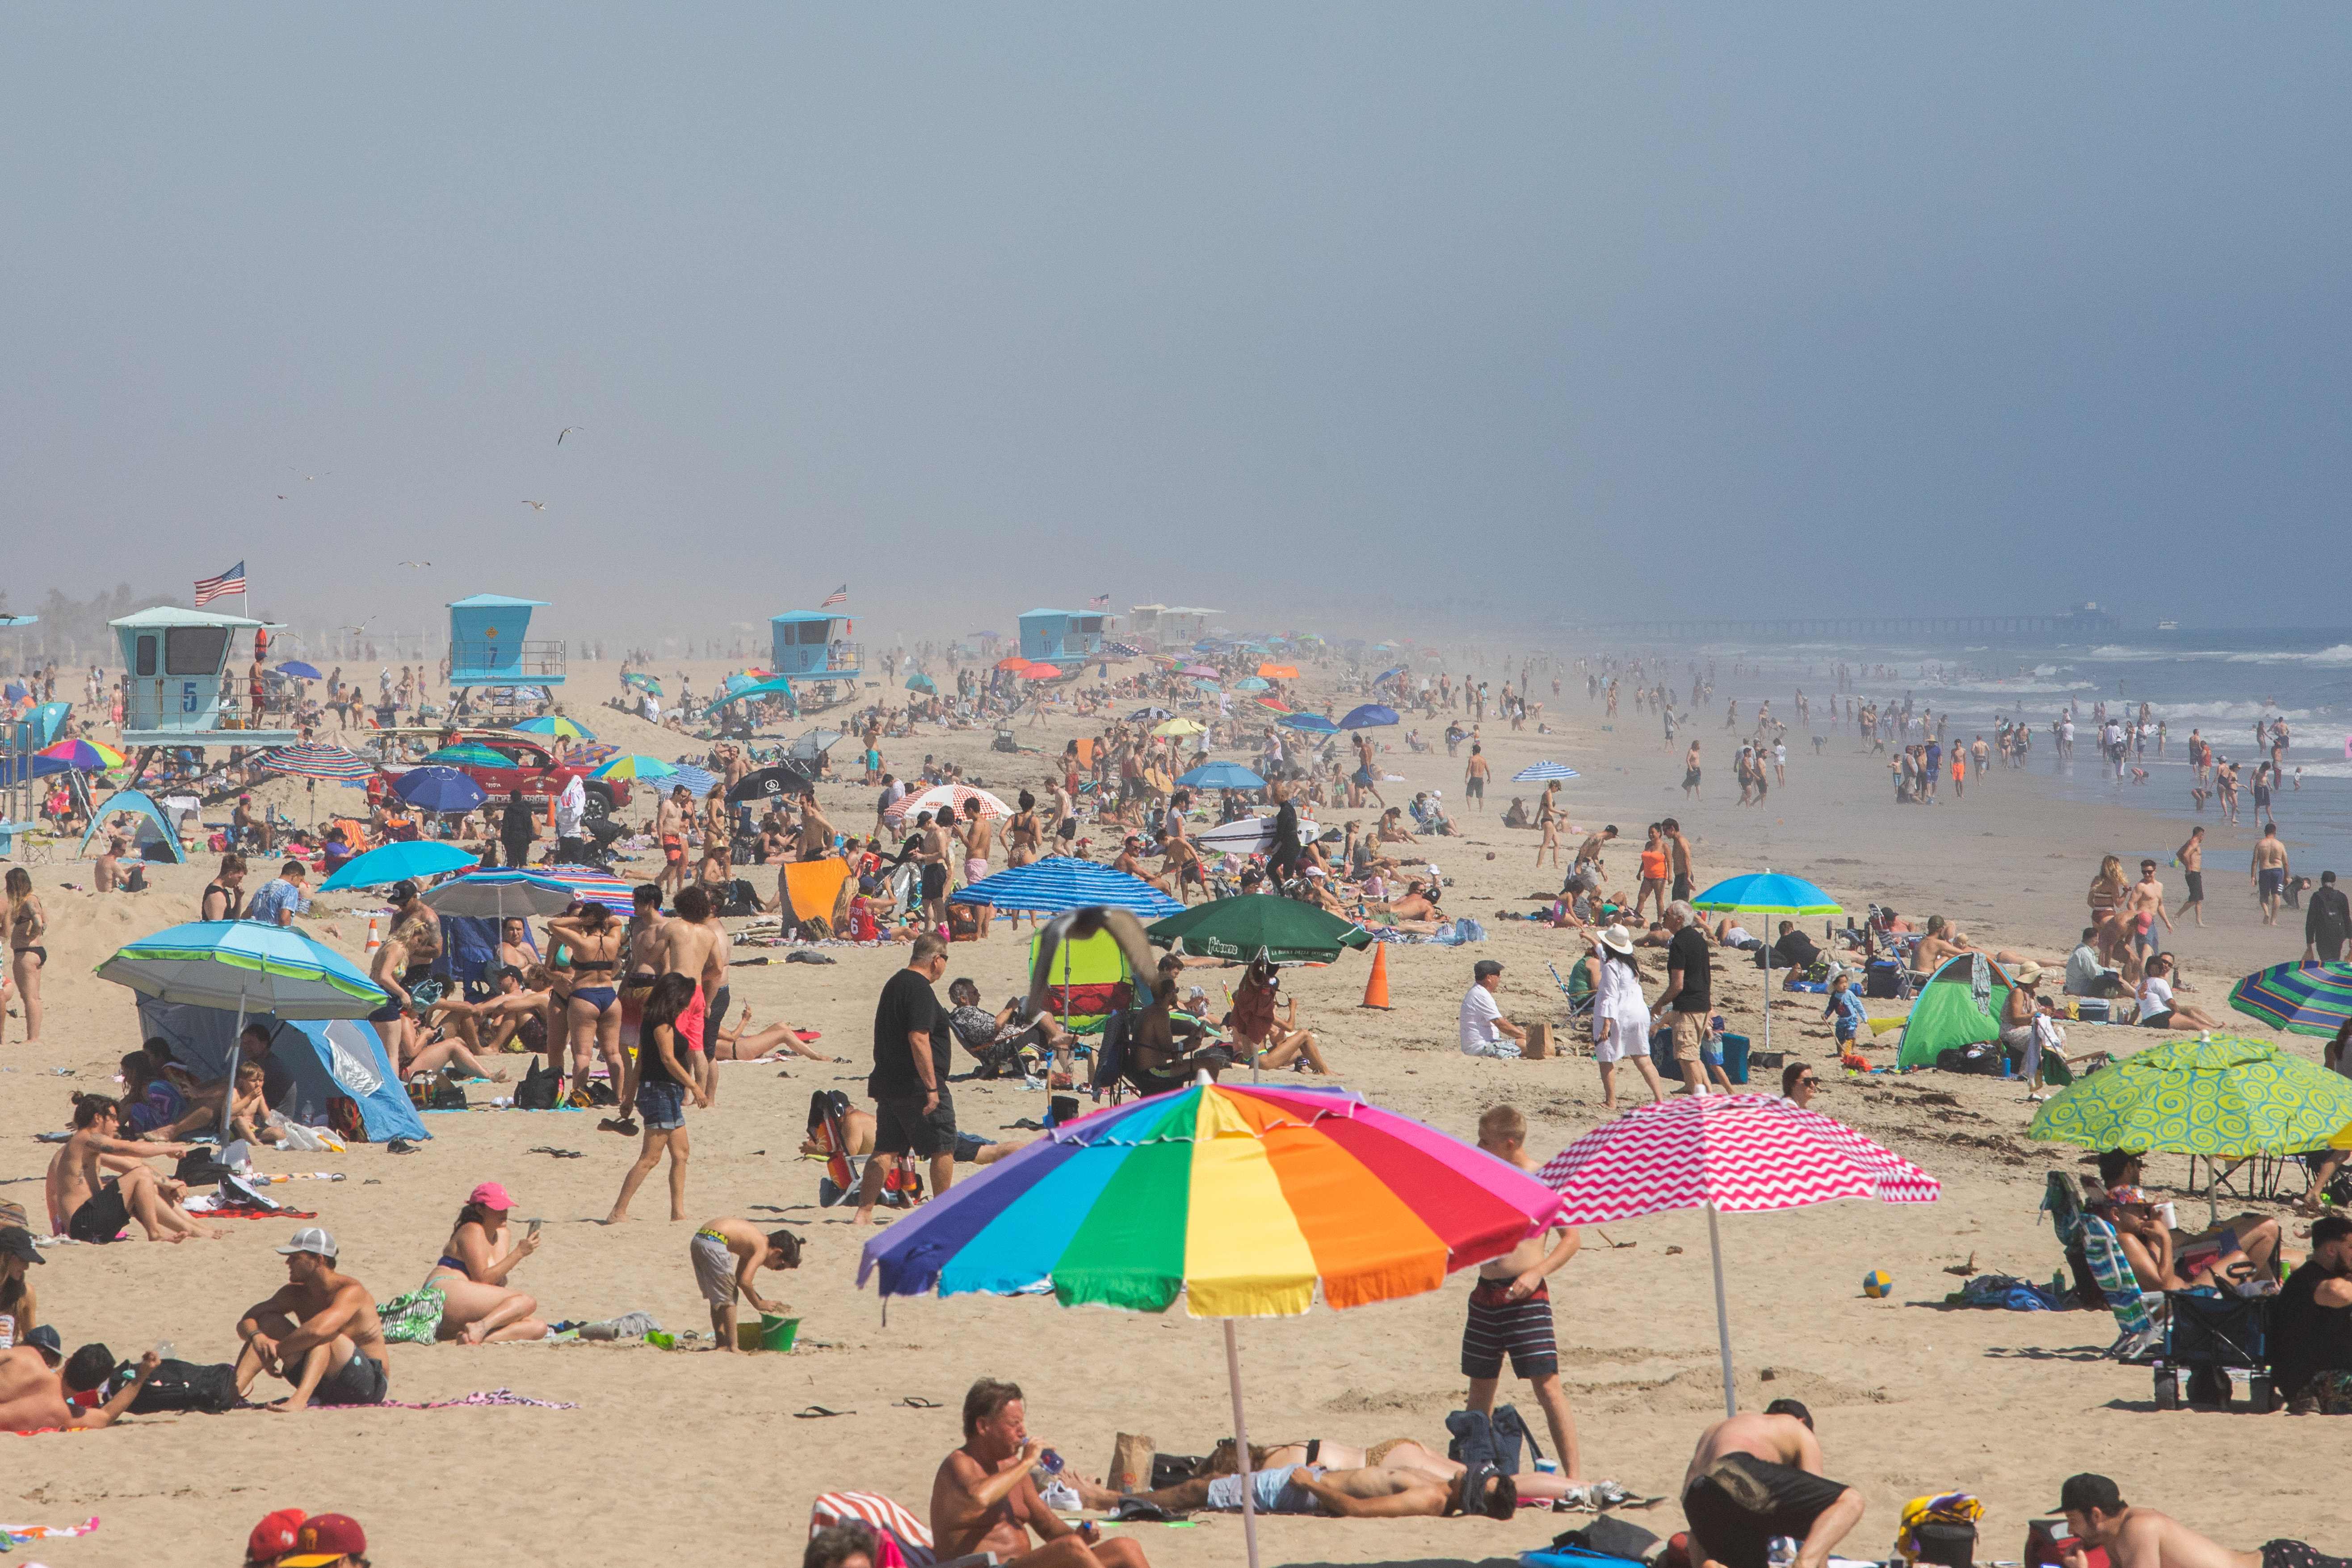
<point x="914" y="1115"/>
<point x="1510" y="1306"/>
<point x="1753" y="1478"/>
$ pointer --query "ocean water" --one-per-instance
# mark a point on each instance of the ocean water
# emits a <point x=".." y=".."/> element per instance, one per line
<point x="2220" y="682"/>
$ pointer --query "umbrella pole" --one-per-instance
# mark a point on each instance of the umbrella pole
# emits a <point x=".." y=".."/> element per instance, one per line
<point x="1241" y="1444"/>
<point x="228" y="1095"/>
<point x="1722" y="1316"/>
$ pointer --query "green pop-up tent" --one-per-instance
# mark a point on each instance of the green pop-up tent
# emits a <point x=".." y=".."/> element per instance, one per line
<point x="1959" y="1004"/>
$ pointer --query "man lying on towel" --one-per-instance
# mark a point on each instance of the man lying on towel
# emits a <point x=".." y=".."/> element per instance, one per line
<point x="1375" y="1492"/>
<point x="982" y="1499"/>
<point x="1756" y="1477"/>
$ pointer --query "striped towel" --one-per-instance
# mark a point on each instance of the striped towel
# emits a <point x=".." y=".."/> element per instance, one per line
<point x="891" y="1524"/>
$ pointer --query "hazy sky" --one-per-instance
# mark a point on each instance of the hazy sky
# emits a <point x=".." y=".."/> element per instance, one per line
<point x="1532" y="308"/>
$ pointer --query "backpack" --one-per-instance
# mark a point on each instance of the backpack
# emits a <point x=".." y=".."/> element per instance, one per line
<point x="180" y="1386"/>
<point x="538" y="1090"/>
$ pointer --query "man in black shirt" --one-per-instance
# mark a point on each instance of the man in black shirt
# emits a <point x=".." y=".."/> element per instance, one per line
<point x="2311" y="1321"/>
<point x="1689" y="992"/>
<point x="1795" y="950"/>
<point x="2326" y="922"/>
<point x="913" y="1048"/>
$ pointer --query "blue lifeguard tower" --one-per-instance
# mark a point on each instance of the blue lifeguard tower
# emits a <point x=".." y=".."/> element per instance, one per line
<point x="1060" y="636"/>
<point x="490" y="644"/>
<point x="811" y="646"/>
<point x="179" y="689"/>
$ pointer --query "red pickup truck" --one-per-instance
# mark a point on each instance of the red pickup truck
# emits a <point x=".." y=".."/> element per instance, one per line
<point x="533" y="769"/>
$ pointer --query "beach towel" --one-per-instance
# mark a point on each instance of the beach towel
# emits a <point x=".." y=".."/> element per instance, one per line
<point x="904" y="1540"/>
<point x="480" y="1397"/>
<point x="414" y="1318"/>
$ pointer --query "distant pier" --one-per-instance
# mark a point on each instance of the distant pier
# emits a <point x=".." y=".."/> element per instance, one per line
<point x="2072" y="625"/>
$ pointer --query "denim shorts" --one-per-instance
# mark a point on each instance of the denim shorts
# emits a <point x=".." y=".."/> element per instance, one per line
<point x="662" y="1101"/>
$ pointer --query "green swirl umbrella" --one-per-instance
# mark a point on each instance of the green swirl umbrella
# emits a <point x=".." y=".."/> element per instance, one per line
<point x="2220" y="1096"/>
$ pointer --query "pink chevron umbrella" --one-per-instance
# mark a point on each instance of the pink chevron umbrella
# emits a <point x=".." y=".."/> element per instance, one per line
<point x="1743" y="1152"/>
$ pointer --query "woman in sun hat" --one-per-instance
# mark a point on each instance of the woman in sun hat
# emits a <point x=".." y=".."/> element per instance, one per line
<point x="1621" y="1016"/>
<point x="471" y="1274"/>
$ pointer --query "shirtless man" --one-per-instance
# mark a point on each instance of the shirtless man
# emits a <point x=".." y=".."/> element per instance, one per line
<point x="1396" y="1454"/>
<point x="2142" y="1538"/>
<point x="1510" y="1306"/>
<point x="934" y="856"/>
<point x="670" y="832"/>
<point x="2143" y="906"/>
<point x="1678" y="851"/>
<point x="2269" y="871"/>
<point x="982" y="1499"/>
<point x="319" y="1331"/>
<point x="2192" y="856"/>
<point x="1588" y="852"/>
<point x="1756" y="1477"/>
<point x="1475" y="775"/>
<point x="695" y="943"/>
<point x="1378" y="1491"/>
<point x="97" y="1204"/>
<point x="816" y="834"/>
<point x="976" y="835"/>
<point x="33" y="1391"/>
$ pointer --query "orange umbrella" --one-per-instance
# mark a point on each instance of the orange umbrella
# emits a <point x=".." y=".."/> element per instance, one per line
<point x="1016" y="662"/>
<point x="1278" y="671"/>
<point x="1041" y="672"/>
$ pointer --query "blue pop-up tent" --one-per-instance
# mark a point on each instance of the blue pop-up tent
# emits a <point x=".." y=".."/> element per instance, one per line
<point x="324" y="1057"/>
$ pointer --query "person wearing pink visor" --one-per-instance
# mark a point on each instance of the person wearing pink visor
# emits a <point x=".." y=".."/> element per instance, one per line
<point x="471" y="1274"/>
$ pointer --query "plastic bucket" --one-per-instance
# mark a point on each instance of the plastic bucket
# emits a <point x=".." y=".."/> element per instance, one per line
<point x="769" y="1333"/>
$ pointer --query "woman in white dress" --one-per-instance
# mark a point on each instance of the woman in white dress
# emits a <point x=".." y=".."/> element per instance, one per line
<point x="1621" y="1017"/>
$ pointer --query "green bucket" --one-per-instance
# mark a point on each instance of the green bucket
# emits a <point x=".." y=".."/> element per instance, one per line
<point x="770" y="1333"/>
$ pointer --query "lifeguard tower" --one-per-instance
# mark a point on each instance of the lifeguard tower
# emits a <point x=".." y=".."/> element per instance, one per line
<point x="812" y="647"/>
<point x="180" y="690"/>
<point x="490" y="644"/>
<point x="1060" y="636"/>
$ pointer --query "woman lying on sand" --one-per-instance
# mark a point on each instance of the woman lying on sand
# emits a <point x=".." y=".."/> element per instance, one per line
<point x="472" y="1272"/>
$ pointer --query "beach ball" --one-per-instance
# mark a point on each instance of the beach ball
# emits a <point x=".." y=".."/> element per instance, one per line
<point x="1877" y="1285"/>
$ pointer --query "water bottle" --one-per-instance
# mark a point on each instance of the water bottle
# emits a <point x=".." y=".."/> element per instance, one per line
<point x="1782" y="1553"/>
<point x="1050" y="1462"/>
<point x="7" y="1330"/>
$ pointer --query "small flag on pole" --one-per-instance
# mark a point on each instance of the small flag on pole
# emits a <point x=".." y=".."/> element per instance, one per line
<point x="1099" y="602"/>
<point x="838" y="597"/>
<point x="229" y="582"/>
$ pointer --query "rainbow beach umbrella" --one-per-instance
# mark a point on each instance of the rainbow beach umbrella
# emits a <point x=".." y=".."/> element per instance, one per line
<point x="2301" y="998"/>
<point x="84" y="756"/>
<point x="1244" y="1201"/>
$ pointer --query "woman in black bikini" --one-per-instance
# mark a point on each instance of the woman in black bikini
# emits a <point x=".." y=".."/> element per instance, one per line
<point x="593" y="1012"/>
<point x="26" y="957"/>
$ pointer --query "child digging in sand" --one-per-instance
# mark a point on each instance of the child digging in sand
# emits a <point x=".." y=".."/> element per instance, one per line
<point x="727" y="1253"/>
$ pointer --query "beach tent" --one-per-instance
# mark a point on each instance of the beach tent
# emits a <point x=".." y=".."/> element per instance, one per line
<point x="1959" y="1004"/>
<point x="1090" y="982"/>
<point x="151" y="827"/>
<point x="815" y="886"/>
<point x="326" y="1057"/>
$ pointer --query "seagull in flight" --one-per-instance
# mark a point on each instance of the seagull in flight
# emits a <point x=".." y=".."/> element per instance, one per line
<point x="567" y="430"/>
<point x="536" y="505"/>
<point x="417" y="564"/>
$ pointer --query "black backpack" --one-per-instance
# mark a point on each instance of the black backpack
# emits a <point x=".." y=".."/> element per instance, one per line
<point x="180" y="1386"/>
<point x="538" y="1090"/>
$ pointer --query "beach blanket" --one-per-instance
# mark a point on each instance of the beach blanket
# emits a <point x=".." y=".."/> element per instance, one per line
<point x="478" y="1397"/>
<point x="2005" y="1292"/>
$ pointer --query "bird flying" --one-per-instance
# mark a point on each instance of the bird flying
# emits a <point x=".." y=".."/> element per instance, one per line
<point x="536" y="505"/>
<point x="567" y="430"/>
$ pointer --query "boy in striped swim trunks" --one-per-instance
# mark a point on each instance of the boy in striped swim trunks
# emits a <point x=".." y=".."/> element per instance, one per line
<point x="1510" y="1306"/>
<point x="727" y="1253"/>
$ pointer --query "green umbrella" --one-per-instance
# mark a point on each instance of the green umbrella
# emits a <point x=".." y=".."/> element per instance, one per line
<point x="467" y="754"/>
<point x="1281" y="931"/>
<point x="2303" y="998"/>
<point x="2221" y="1097"/>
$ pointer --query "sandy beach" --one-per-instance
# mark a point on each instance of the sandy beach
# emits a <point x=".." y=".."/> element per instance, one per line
<point x="1910" y="1397"/>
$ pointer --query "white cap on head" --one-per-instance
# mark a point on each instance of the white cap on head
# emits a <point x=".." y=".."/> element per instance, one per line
<point x="311" y="1238"/>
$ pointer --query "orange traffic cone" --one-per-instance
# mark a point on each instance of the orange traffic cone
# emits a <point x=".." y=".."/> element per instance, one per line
<point x="1376" y="988"/>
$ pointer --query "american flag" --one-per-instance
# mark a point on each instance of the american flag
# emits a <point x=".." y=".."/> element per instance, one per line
<point x="1099" y="602"/>
<point x="229" y="582"/>
<point x="838" y="597"/>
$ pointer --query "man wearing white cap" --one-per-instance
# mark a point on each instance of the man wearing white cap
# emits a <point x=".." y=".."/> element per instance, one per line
<point x="319" y="1331"/>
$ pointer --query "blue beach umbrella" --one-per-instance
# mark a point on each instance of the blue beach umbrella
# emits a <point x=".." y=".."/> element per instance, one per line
<point x="1313" y="723"/>
<point x="1221" y="775"/>
<point x="300" y="671"/>
<point x="411" y="860"/>
<point x="1370" y="716"/>
<point x="1770" y="893"/>
<point x="438" y="789"/>
<point x="1535" y="773"/>
<point x="1060" y="882"/>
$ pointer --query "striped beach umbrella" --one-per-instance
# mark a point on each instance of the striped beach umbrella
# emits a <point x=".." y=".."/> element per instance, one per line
<point x="1536" y="772"/>
<point x="942" y="798"/>
<point x="83" y="756"/>
<point x="1737" y="1153"/>
<point x="2301" y="998"/>
<point x="635" y="767"/>
<point x="557" y="725"/>
<point x="1243" y="1202"/>
<point x="317" y="762"/>
<point x="699" y="782"/>
<point x="1060" y="882"/>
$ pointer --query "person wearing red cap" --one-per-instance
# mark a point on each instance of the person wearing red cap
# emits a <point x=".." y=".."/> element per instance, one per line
<point x="273" y="1538"/>
<point x="327" y="1540"/>
<point x="478" y="1304"/>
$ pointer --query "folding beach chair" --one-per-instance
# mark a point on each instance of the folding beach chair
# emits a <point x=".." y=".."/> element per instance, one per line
<point x="2092" y="1248"/>
<point x="828" y="1124"/>
<point x="1578" y="991"/>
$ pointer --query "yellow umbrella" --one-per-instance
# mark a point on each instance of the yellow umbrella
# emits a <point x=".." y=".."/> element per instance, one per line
<point x="1179" y="727"/>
